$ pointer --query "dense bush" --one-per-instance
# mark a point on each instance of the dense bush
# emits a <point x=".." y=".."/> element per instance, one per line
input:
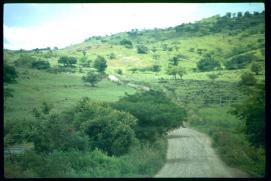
<point x="252" y="111"/>
<point x="126" y="43"/>
<point x="141" y="49"/>
<point x="84" y="61"/>
<point x="155" y="112"/>
<point x="55" y="133"/>
<point x="92" y="78"/>
<point x="10" y="74"/>
<point x="256" y="68"/>
<point x="25" y="60"/>
<point x="239" y="61"/>
<point x="108" y="129"/>
<point x="67" y="61"/>
<point x="247" y="79"/>
<point x="100" y="64"/>
<point x="41" y="64"/>
<point x="208" y="63"/>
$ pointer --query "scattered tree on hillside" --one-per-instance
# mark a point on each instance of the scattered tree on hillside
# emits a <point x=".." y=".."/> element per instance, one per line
<point x="84" y="61"/>
<point x="92" y="77"/>
<point x="41" y="64"/>
<point x="176" y="59"/>
<point x="156" y="68"/>
<point x="208" y="63"/>
<point x="141" y="49"/>
<point x="176" y="70"/>
<point x="100" y="64"/>
<point x="126" y="43"/>
<point x="67" y="61"/>
<point x="239" y="61"/>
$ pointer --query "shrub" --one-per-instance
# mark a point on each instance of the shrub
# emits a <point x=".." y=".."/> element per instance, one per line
<point x="25" y="60"/>
<point x="126" y="43"/>
<point x="92" y="77"/>
<point x="67" y="61"/>
<point x="239" y="61"/>
<point x="112" y="56"/>
<point x="119" y="71"/>
<point x="10" y="74"/>
<point x="41" y="64"/>
<point x="208" y="63"/>
<point x="108" y="129"/>
<point x="141" y="49"/>
<point x="256" y="68"/>
<point x="100" y="64"/>
<point x="247" y="79"/>
<point x="156" y="114"/>
<point x="56" y="133"/>
<point x="84" y="61"/>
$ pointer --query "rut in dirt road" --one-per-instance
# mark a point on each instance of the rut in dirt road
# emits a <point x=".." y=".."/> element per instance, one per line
<point x="190" y="154"/>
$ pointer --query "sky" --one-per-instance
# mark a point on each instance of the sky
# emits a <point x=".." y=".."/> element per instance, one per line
<point x="28" y="26"/>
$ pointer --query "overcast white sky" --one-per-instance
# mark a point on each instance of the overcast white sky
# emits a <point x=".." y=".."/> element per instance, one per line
<point x="30" y="26"/>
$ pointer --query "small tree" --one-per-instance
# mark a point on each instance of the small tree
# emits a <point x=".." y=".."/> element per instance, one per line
<point x="156" y="68"/>
<point x="172" y="70"/>
<point x="208" y="63"/>
<point x="84" y="61"/>
<point x="256" y="68"/>
<point x="126" y="43"/>
<point x="67" y="61"/>
<point x="100" y="64"/>
<point x="92" y="77"/>
<point x="180" y="71"/>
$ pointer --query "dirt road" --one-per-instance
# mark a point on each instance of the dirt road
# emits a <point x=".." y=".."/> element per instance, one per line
<point x="190" y="154"/>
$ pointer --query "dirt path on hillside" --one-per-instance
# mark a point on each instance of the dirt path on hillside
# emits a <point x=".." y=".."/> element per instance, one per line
<point x="190" y="154"/>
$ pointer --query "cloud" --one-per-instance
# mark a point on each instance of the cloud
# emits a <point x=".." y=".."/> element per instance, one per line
<point x="87" y="20"/>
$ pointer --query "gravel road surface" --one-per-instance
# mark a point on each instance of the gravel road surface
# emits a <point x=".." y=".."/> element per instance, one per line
<point x="190" y="154"/>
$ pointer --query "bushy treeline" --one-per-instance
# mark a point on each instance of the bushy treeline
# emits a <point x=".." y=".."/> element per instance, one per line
<point x="231" y="22"/>
<point x="92" y="136"/>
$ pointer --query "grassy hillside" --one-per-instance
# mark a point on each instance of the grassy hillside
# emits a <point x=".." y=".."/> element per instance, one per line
<point x="235" y="43"/>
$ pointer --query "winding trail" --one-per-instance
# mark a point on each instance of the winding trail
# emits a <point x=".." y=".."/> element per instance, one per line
<point x="190" y="154"/>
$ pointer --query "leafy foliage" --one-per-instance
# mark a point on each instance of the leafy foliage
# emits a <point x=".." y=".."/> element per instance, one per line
<point x="126" y="43"/>
<point x="256" y="68"/>
<point x="67" y="61"/>
<point x="41" y="64"/>
<point x="141" y="49"/>
<point x="92" y="77"/>
<point x="252" y="111"/>
<point x="155" y="112"/>
<point x="100" y="64"/>
<point x="10" y="74"/>
<point x="247" y="79"/>
<point x="208" y="63"/>
<point x="239" y="61"/>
